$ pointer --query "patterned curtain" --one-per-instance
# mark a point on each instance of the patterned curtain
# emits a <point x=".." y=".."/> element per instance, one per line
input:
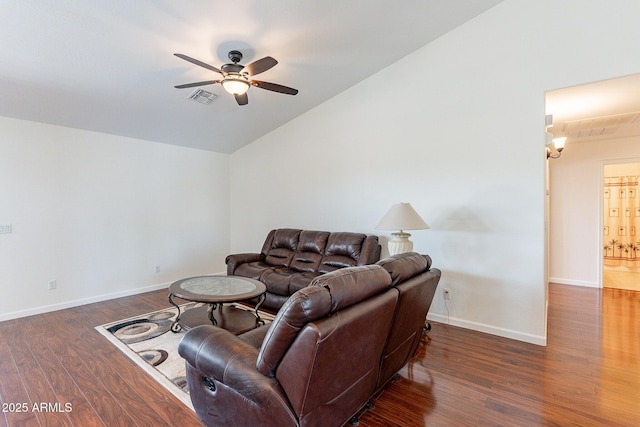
<point x="621" y="213"/>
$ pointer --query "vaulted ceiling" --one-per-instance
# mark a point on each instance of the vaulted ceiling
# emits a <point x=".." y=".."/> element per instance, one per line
<point x="109" y="66"/>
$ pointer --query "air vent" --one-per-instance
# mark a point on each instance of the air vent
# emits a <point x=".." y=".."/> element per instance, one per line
<point x="202" y="96"/>
<point x="601" y="126"/>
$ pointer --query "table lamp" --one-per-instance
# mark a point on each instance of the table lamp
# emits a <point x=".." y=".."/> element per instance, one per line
<point x="401" y="217"/>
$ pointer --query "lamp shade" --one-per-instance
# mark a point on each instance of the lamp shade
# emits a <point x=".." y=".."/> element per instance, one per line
<point x="559" y="143"/>
<point x="402" y="216"/>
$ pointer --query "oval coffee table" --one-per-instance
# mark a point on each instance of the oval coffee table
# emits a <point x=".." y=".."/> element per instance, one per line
<point x="215" y="291"/>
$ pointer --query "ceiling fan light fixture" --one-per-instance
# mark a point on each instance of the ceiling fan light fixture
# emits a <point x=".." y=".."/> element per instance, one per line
<point x="235" y="86"/>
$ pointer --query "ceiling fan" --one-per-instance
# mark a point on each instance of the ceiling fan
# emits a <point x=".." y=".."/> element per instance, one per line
<point x="236" y="78"/>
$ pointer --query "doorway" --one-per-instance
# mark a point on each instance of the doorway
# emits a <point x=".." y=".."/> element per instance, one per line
<point x="601" y="121"/>
<point x="621" y="226"/>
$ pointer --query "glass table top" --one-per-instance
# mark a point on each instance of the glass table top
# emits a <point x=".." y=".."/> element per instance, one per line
<point x="217" y="289"/>
<point x="217" y="286"/>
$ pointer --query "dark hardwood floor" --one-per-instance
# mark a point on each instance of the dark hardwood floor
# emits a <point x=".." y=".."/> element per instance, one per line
<point x="589" y="374"/>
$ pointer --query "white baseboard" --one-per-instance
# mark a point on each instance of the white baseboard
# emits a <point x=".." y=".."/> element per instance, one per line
<point x="488" y="329"/>
<point x="573" y="282"/>
<point x="78" y="302"/>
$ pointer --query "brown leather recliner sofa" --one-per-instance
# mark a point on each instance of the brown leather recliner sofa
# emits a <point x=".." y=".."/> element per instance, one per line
<point x="332" y="346"/>
<point x="290" y="259"/>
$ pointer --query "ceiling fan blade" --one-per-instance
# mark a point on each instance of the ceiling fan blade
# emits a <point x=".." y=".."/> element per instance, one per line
<point x="260" y="66"/>
<point x="208" y="82"/>
<point x="242" y="99"/>
<point x="274" y="87"/>
<point x="200" y="63"/>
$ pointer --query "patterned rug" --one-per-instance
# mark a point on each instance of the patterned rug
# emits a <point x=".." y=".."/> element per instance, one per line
<point x="148" y="341"/>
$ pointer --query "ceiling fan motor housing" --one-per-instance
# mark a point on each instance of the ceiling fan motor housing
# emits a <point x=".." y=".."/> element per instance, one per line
<point x="232" y="68"/>
<point x="235" y="56"/>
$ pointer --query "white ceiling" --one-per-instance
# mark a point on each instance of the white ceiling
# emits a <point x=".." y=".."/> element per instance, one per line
<point x="108" y="65"/>
<point x="596" y="111"/>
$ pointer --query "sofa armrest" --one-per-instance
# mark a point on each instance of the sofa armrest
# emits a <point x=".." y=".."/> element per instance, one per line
<point x="223" y="357"/>
<point x="234" y="260"/>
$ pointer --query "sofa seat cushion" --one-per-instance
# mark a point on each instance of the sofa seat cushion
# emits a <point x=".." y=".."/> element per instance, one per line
<point x="273" y="302"/>
<point x="283" y="281"/>
<point x="252" y="270"/>
<point x="277" y="280"/>
<point x="301" y="280"/>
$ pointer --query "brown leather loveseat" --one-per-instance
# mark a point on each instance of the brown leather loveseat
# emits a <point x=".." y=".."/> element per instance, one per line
<point x="330" y="348"/>
<point x="290" y="259"/>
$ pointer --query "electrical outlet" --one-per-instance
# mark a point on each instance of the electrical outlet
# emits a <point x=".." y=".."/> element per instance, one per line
<point x="6" y="228"/>
<point x="447" y="293"/>
<point x="53" y="284"/>
<point x="157" y="270"/>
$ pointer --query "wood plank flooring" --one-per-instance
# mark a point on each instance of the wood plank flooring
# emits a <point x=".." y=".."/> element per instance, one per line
<point x="588" y="375"/>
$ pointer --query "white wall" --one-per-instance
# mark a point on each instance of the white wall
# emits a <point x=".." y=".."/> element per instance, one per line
<point x="456" y="129"/>
<point x="97" y="213"/>
<point x="576" y="207"/>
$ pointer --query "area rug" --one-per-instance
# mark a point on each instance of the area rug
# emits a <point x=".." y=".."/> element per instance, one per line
<point x="148" y="341"/>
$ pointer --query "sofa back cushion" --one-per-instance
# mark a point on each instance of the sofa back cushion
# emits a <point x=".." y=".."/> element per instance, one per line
<point x="343" y="250"/>
<point x="306" y="305"/>
<point x="404" y="266"/>
<point x="326" y="294"/>
<point x="280" y="246"/>
<point x="311" y="247"/>
<point x="318" y="251"/>
<point x="352" y="337"/>
<point x="349" y="286"/>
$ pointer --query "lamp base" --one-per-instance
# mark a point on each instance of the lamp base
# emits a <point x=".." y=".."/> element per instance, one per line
<point x="400" y="243"/>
